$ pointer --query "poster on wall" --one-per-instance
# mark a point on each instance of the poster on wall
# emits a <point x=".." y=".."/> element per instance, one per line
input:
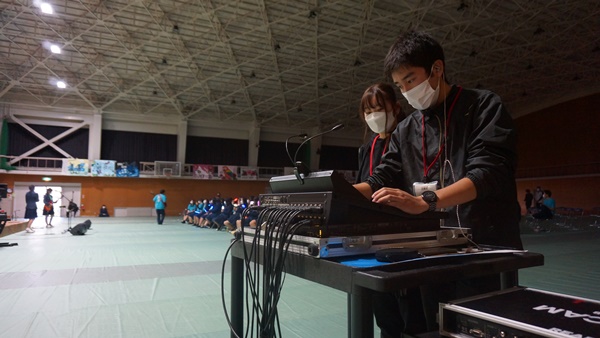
<point x="228" y="172"/>
<point x="103" y="168"/>
<point x="203" y="171"/>
<point x="127" y="169"/>
<point x="248" y="173"/>
<point x="73" y="166"/>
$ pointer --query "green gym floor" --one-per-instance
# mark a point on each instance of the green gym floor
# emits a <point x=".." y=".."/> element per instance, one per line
<point x="129" y="277"/>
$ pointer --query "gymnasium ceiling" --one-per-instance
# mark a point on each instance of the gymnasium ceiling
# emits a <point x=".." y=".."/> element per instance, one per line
<point x="284" y="63"/>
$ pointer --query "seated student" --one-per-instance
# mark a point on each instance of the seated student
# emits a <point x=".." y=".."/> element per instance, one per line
<point x="211" y="207"/>
<point x="214" y="211"/>
<point x="237" y="212"/>
<point x="546" y="208"/>
<point x="199" y="212"/>
<point x="227" y="212"/>
<point x="208" y="206"/>
<point x="188" y="213"/>
<point x="248" y="218"/>
<point x="103" y="211"/>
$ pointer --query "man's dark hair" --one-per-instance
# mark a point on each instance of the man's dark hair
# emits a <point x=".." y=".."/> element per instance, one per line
<point x="162" y="191"/>
<point x="31" y="187"/>
<point x="413" y="49"/>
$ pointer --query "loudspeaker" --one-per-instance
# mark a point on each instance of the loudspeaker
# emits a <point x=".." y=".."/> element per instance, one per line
<point x="3" y="190"/>
<point x="81" y="228"/>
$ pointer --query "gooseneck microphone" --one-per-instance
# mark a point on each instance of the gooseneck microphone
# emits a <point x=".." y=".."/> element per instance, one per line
<point x="301" y="168"/>
<point x="287" y="150"/>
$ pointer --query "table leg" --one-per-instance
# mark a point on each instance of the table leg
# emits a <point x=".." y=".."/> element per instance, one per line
<point x="360" y="312"/>
<point x="508" y="279"/>
<point x="237" y="297"/>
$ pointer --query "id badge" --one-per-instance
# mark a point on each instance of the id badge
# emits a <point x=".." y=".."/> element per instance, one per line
<point x="419" y="187"/>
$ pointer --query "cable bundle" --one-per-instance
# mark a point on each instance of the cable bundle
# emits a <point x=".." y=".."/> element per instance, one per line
<point x="268" y="248"/>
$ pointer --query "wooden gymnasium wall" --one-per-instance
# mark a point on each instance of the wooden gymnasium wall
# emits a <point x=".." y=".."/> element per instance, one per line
<point x="559" y="150"/>
<point x="136" y="192"/>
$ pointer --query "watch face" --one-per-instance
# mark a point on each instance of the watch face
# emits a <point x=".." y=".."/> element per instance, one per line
<point x="429" y="196"/>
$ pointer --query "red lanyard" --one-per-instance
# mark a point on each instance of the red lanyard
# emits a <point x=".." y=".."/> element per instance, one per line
<point x="372" y="150"/>
<point x="425" y="166"/>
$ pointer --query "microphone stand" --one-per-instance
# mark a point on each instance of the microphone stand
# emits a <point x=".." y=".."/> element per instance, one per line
<point x="70" y="210"/>
<point x="287" y="150"/>
<point x="300" y="169"/>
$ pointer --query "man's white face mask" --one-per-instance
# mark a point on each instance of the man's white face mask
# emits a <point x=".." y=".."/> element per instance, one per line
<point x="422" y="96"/>
<point x="377" y="121"/>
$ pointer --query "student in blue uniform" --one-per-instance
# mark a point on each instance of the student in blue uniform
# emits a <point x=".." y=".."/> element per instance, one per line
<point x="160" y="203"/>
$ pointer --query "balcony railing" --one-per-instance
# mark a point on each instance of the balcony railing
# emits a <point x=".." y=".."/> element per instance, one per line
<point x="147" y="169"/>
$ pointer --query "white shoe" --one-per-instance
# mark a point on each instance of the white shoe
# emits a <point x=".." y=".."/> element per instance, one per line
<point x="30" y="230"/>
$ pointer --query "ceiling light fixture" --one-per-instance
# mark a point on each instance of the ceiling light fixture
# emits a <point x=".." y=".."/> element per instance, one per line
<point x="46" y="179"/>
<point x="61" y="84"/>
<point x="46" y="8"/>
<point x="55" y="49"/>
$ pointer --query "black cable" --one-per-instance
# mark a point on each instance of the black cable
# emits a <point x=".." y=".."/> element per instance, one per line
<point x="269" y="260"/>
<point x="223" y="288"/>
<point x="283" y="240"/>
<point x="253" y="273"/>
<point x="258" y="306"/>
<point x="270" y="245"/>
<point x="270" y="218"/>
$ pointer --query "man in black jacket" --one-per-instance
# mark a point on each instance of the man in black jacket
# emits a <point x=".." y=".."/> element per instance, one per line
<point x="456" y="152"/>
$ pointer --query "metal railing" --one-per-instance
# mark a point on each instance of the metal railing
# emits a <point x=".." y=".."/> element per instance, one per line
<point x="47" y="164"/>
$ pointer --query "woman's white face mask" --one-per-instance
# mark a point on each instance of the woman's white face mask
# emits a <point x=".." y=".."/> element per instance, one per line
<point x="422" y="96"/>
<point x="377" y="121"/>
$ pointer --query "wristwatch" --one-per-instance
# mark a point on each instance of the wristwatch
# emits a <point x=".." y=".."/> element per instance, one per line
<point x="431" y="198"/>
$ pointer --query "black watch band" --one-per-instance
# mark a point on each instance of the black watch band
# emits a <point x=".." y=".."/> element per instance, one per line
<point x="431" y="198"/>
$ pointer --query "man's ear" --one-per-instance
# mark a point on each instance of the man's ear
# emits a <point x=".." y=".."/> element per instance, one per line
<point x="397" y="109"/>
<point x="438" y="67"/>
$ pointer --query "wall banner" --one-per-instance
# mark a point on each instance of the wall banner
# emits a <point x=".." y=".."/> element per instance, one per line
<point x="103" y="168"/>
<point x="74" y="166"/>
<point x="203" y="171"/>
